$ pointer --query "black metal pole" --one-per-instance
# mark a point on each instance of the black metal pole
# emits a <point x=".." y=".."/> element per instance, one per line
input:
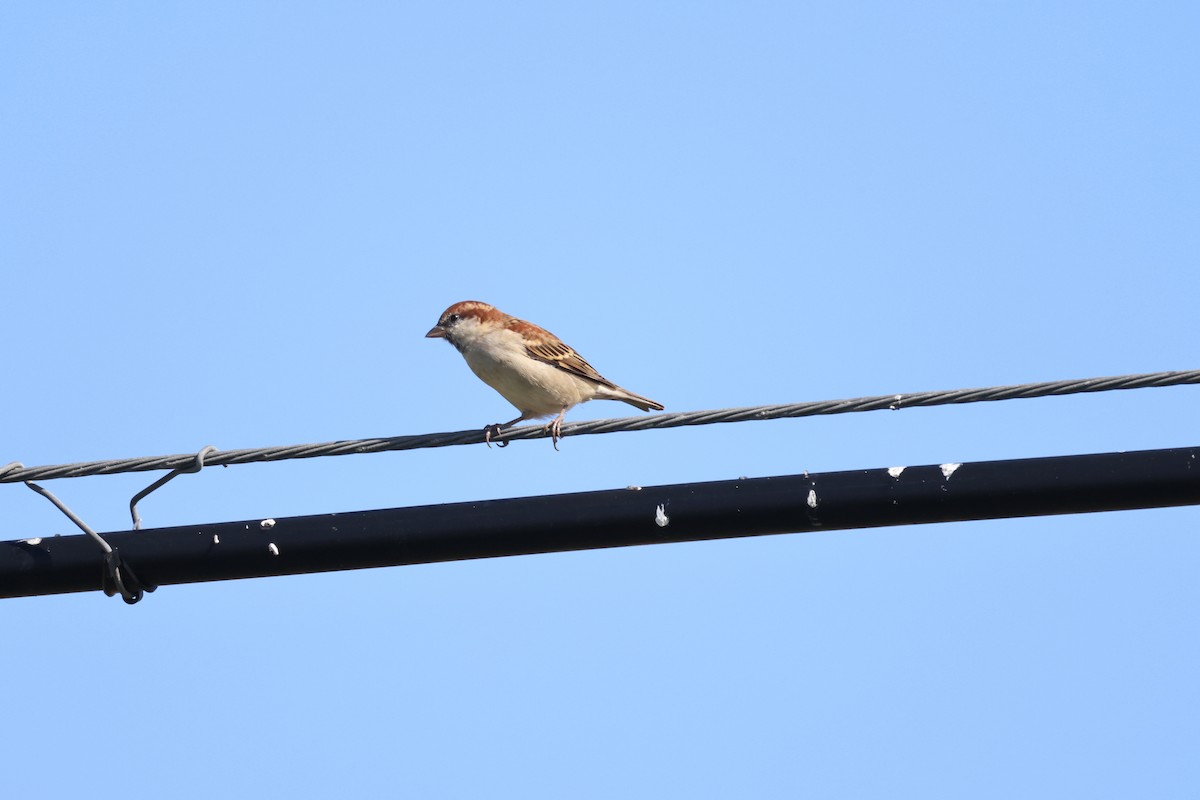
<point x="613" y="518"/>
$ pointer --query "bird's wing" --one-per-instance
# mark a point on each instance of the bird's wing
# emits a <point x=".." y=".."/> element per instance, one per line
<point x="545" y="346"/>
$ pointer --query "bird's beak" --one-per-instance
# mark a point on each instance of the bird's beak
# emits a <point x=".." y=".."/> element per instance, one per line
<point x="436" y="332"/>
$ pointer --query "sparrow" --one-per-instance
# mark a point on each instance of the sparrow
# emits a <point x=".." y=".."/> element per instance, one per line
<point x="529" y="366"/>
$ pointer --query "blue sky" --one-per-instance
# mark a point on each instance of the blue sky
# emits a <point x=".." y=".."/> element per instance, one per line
<point x="231" y="224"/>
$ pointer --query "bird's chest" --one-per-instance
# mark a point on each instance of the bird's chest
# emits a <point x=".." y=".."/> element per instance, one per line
<point x="532" y="386"/>
<point x="494" y="362"/>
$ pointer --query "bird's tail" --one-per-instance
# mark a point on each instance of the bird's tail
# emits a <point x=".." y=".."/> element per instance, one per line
<point x="637" y="401"/>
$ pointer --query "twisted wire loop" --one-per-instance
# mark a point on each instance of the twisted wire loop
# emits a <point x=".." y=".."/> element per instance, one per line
<point x="119" y="577"/>
<point x="12" y="474"/>
<point x="137" y="498"/>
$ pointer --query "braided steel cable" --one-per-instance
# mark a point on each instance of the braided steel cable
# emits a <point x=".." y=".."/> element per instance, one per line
<point x="14" y="472"/>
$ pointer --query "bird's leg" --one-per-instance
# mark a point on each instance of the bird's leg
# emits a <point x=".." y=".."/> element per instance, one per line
<point x="493" y="430"/>
<point x="555" y="428"/>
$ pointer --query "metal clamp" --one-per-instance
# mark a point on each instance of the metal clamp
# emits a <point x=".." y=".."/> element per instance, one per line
<point x="119" y="577"/>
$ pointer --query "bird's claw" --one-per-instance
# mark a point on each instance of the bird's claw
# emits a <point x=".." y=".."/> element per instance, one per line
<point x="555" y="430"/>
<point x="493" y="430"/>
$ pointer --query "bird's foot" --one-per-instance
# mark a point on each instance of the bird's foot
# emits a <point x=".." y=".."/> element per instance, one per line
<point x="493" y="430"/>
<point x="555" y="430"/>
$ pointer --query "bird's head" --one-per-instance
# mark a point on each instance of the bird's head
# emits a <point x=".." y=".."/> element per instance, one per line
<point x="463" y="323"/>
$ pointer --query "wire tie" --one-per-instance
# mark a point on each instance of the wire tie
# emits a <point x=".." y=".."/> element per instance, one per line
<point x="118" y="575"/>
<point x="10" y="466"/>
<point x="158" y="484"/>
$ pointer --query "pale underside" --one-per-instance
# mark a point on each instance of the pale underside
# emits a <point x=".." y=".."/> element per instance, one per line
<point x="536" y="388"/>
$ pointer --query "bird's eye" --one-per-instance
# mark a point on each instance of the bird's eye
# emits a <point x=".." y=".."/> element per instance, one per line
<point x="451" y="319"/>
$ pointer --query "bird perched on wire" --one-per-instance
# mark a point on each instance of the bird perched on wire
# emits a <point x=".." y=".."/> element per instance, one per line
<point x="529" y="366"/>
